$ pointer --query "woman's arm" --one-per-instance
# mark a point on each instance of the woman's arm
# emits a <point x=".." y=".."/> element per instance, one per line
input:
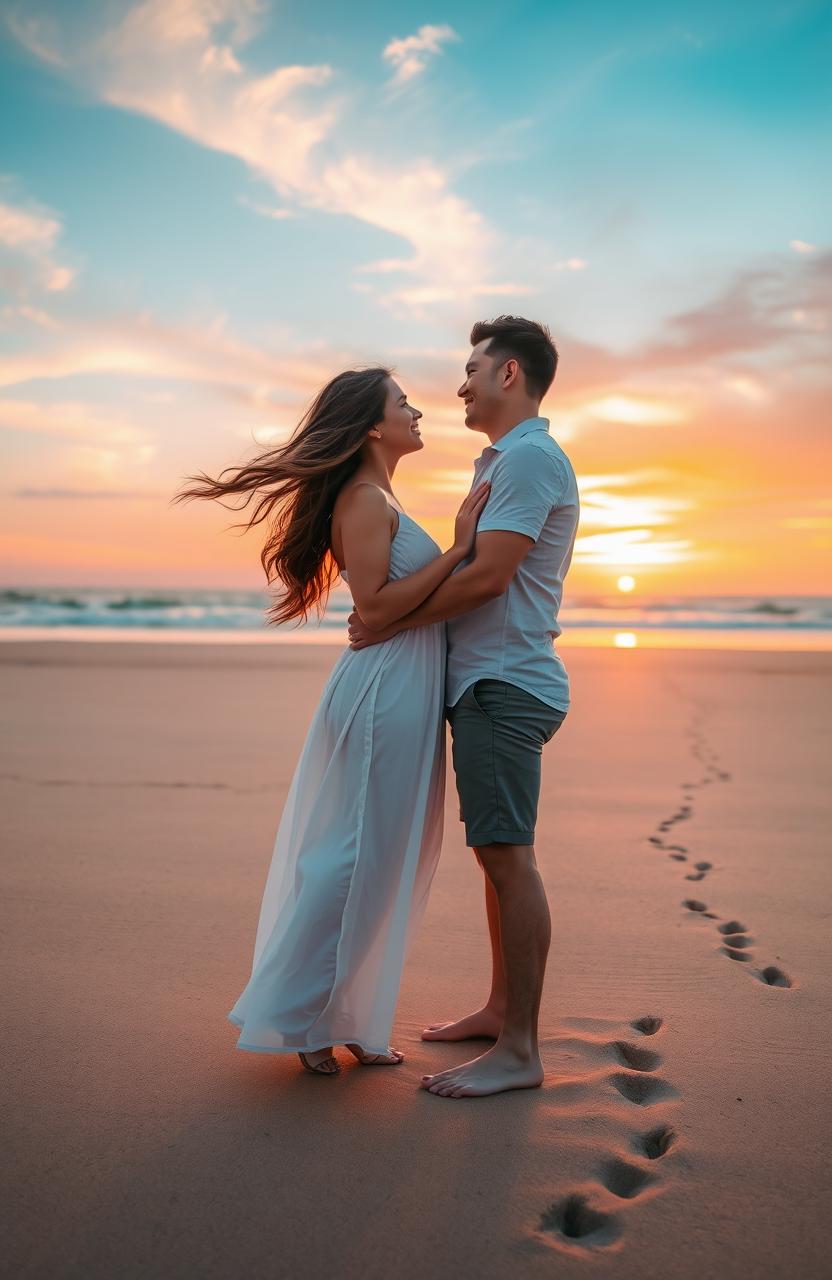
<point x="365" y="535"/>
<point x="498" y="556"/>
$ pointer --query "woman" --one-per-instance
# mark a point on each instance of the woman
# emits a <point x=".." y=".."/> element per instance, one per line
<point x="360" y="834"/>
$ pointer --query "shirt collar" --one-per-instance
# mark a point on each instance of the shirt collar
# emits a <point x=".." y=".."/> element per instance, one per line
<point x="513" y="437"/>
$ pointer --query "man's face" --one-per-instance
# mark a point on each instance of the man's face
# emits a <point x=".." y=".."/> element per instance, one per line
<point x="481" y="389"/>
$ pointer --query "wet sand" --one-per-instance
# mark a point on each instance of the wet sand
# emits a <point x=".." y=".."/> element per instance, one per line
<point x="684" y="1125"/>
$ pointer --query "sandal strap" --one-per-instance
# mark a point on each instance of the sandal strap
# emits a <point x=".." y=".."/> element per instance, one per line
<point x="318" y="1068"/>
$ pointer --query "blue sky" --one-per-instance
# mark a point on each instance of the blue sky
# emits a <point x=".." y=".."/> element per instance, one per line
<point x="211" y="205"/>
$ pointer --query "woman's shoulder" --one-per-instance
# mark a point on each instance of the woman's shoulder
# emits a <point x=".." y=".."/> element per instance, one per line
<point x="361" y="497"/>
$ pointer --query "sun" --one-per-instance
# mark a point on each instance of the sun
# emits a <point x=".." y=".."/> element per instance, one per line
<point x="626" y="583"/>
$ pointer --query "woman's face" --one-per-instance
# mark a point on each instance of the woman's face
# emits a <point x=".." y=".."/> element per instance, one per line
<point x="399" y="427"/>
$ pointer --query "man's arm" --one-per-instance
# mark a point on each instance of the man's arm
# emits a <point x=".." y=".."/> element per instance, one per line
<point x="525" y="486"/>
<point x="498" y="554"/>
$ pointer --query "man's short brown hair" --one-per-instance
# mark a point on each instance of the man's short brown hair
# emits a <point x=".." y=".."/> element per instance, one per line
<point x="527" y="342"/>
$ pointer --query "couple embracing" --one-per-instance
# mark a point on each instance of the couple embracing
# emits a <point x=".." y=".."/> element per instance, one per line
<point x="466" y="634"/>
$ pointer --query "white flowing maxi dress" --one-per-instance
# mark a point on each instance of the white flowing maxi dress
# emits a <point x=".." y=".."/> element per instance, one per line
<point x="357" y="845"/>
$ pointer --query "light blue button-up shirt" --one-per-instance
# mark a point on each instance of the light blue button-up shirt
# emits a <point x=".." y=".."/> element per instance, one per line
<point x="534" y="492"/>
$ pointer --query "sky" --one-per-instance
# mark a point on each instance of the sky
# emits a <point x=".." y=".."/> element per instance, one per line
<point x="209" y="207"/>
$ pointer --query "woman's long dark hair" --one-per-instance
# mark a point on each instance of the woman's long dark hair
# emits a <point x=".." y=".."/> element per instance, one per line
<point x="299" y="482"/>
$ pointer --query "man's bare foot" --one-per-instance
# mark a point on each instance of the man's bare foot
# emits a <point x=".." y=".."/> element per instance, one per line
<point x="485" y="1024"/>
<point x="495" y="1071"/>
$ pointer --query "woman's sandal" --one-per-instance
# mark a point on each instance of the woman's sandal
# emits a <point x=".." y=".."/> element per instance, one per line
<point x="392" y="1058"/>
<point x="326" y="1067"/>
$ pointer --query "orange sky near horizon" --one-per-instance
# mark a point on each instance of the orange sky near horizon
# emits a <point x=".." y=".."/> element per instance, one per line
<point x="692" y="506"/>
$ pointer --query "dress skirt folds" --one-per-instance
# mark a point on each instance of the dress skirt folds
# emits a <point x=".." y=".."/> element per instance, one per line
<point x="357" y="845"/>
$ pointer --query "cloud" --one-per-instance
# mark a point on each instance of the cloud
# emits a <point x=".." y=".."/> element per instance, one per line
<point x="802" y="246"/>
<point x="628" y="547"/>
<point x="620" y="511"/>
<point x="143" y="347"/>
<point x="452" y="245"/>
<point x="409" y="56"/>
<point x="84" y="495"/>
<point x="748" y="387"/>
<point x="629" y="409"/>
<point x="266" y="211"/>
<point x="754" y="313"/>
<point x="179" y="64"/>
<point x="177" y="23"/>
<point x="101" y="440"/>
<point x="37" y="34"/>
<point x="29" y="233"/>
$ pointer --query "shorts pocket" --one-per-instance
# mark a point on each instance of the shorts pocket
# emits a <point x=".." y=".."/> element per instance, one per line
<point x="556" y="724"/>
<point x="491" y="696"/>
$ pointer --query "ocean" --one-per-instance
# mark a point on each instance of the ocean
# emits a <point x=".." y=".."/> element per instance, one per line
<point x="757" y="621"/>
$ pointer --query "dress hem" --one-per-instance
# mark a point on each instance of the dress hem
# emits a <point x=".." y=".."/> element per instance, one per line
<point x="304" y="1048"/>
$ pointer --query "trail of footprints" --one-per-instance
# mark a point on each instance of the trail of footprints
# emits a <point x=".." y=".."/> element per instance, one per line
<point x="734" y="939"/>
<point x="575" y="1221"/>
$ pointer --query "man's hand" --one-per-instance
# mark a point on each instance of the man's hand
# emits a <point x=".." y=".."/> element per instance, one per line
<point x="361" y="637"/>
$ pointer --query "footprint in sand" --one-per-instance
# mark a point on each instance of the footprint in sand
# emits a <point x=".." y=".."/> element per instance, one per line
<point x="680" y="857"/>
<point x="648" y="1025"/>
<point x="573" y="1220"/>
<point x="623" y="1179"/>
<point x="732" y="926"/>
<point x="736" y="943"/>
<point x="684" y="811"/>
<point x="734" y="954"/>
<point x="630" y="1055"/>
<point x="702" y="869"/>
<point x="693" y="904"/>
<point x="774" y="977"/>
<point x="655" y="1143"/>
<point x="642" y="1090"/>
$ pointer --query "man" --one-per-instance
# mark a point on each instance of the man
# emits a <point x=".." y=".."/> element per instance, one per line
<point x="507" y="689"/>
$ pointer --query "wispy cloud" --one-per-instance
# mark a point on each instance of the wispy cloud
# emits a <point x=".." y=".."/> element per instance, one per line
<point x="144" y="347"/>
<point x="181" y="64"/>
<point x="29" y="233"/>
<point x="626" y="548"/>
<point x="101" y="441"/>
<point x="267" y="211"/>
<point x="602" y="508"/>
<point x="634" y="410"/>
<point x="39" y="34"/>
<point x="86" y="495"/>
<point x="409" y="55"/>
<point x="755" y="312"/>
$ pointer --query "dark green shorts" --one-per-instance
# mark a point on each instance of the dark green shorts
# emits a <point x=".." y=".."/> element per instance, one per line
<point x="499" y="732"/>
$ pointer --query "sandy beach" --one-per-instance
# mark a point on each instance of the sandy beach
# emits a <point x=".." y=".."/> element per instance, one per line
<point x="684" y="1125"/>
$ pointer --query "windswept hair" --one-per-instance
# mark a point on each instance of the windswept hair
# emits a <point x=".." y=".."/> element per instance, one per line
<point x="527" y="342"/>
<point x="295" y="485"/>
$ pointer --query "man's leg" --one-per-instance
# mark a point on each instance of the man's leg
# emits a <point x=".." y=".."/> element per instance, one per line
<point x="498" y="736"/>
<point x="487" y="1022"/>
<point x="525" y="932"/>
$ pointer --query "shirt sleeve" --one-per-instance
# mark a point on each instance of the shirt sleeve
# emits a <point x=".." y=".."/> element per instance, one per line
<point x="525" y="485"/>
